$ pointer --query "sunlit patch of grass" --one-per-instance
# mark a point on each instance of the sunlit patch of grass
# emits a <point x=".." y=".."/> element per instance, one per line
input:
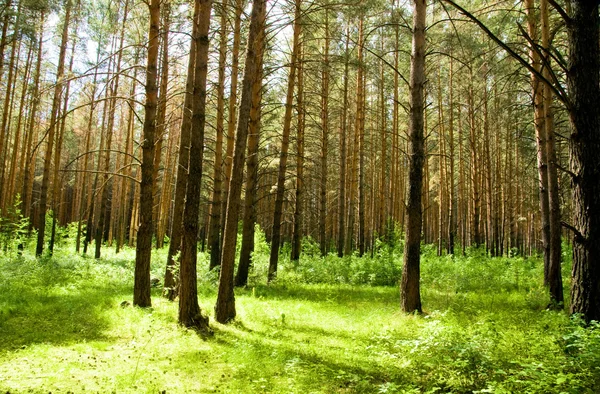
<point x="63" y="329"/>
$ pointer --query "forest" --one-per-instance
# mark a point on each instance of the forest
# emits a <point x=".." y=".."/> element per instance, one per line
<point x="300" y="196"/>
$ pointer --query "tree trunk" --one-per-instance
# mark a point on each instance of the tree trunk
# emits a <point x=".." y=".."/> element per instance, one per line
<point x="298" y="211"/>
<point x="241" y="277"/>
<point x="214" y="232"/>
<point x="324" y="143"/>
<point x="554" y="264"/>
<point x="235" y="51"/>
<point x="225" y="307"/>
<point x="540" y="133"/>
<point x="189" y="310"/>
<point x="141" y="292"/>
<point x="409" y="288"/>
<point x="584" y="87"/>
<point x="50" y="136"/>
<point x="170" y="289"/>
<point x="343" y="158"/>
<point x="360" y="130"/>
<point x="283" y="154"/>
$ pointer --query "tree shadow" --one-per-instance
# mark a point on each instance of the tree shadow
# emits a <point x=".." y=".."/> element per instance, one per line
<point x="39" y="316"/>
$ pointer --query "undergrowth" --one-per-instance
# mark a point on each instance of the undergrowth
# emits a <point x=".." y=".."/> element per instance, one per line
<point x="326" y="325"/>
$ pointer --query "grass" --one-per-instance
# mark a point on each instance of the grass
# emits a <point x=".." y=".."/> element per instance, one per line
<point x="485" y="329"/>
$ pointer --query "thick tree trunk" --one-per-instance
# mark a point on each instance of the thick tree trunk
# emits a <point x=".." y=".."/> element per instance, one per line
<point x="141" y="291"/>
<point x="225" y="307"/>
<point x="410" y="288"/>
<point x="584" y="145"/>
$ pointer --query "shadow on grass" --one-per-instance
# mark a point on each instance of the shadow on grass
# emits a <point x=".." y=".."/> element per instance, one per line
<point x="310" y="365"/>
<point x="339" y="294"/>
<point x="55" y="316"/>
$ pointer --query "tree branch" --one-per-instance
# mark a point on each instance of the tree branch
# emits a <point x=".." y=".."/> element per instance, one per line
<point x="559" y="93"/>
<point x="578" y="236"/>
<point x="560" y="10"/>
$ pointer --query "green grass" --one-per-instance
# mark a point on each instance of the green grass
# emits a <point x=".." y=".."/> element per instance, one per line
<point x="485" y="329"/>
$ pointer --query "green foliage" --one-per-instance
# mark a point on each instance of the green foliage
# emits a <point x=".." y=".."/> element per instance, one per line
<point x="14" y="227"/>
<point x="485" y="329"/>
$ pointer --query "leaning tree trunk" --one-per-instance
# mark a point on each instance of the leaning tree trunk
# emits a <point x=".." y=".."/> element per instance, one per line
<point x="584" y="145"/>
<point x="143" y="250"/>
<point x="409" y="288"/>
<point x="225" y="307"/>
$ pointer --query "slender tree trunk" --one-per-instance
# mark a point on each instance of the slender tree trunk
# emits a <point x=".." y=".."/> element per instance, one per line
<point x="452" y="206"/>
<point x="343" y="158"/>
<point x="51" y="132"/>
<point x="324" y="141"/>
<point x="161" y="127"/>
<point x="214" y="232"/>
<point x="57" y="183"/>
<point x="409" y="288"/>
<point x="241" y="277"/>
<point x="29" y="162"/>
<point x="360" y="130"/>
<point x="554" y="264"/>
<point x="8" y="103"/>
<point x="540" y="133"/>
<point x="225" y="307"/>
<point x="235" y="51"/>
<point x="298" y="211"/>
<point x="170" y="289"/>
<point x="189" y="310"/>
<point x="283" y="154"/>
<point x="141" y="291"/>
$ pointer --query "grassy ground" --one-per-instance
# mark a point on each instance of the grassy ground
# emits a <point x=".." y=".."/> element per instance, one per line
<point x="486" y="329"/>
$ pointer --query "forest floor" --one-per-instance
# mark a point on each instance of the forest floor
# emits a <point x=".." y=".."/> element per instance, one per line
<point x="485" y="329"/>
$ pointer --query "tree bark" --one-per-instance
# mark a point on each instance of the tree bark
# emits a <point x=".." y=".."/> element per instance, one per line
<point x="214" y="232"/>
<point x="225" y="307"/>
<point x="51" y="132"/>
<point x="170" y="289"/>
<point x="343" y="159"/>
<point x="241" y="277"/>
<point x="410" y="288"/>
<point x="141" y="291"/>
<point x="584" y="87"/>
<point x="283" y="154"/>
<point x="189" y="310"/>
